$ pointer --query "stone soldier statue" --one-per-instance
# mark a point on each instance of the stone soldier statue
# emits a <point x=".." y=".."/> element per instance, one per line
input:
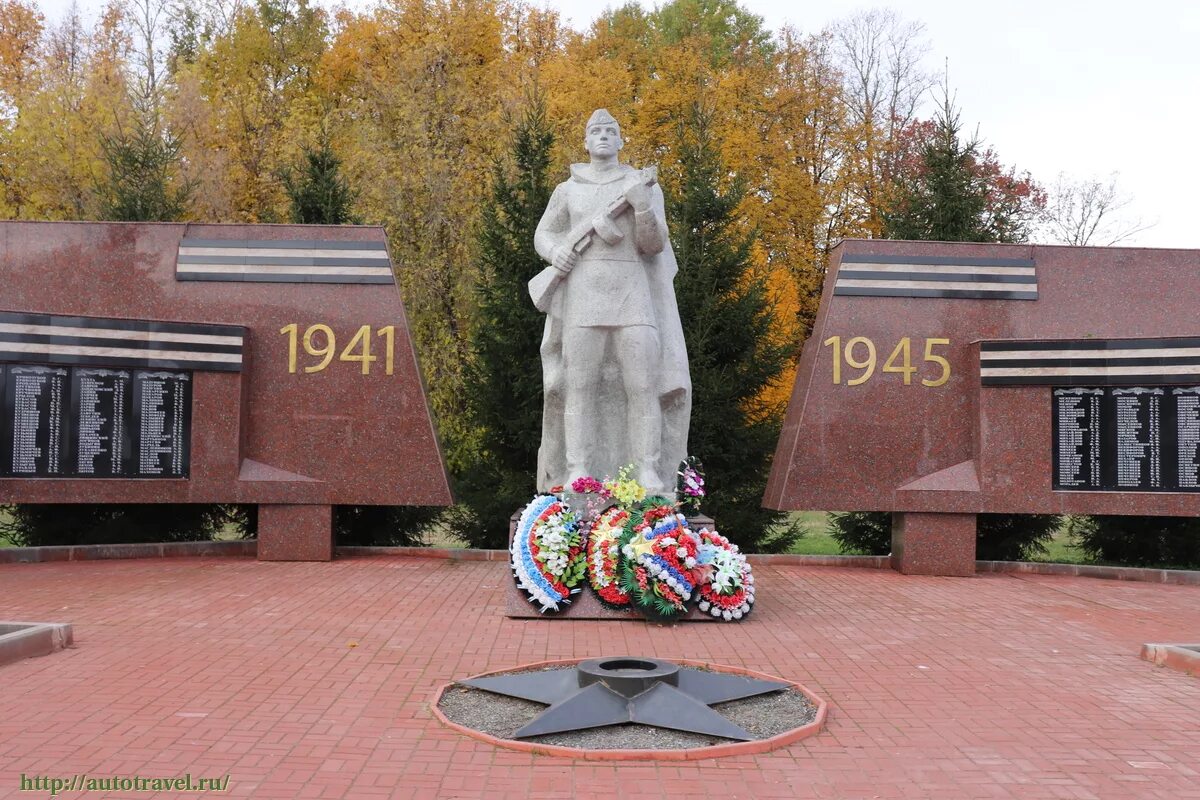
<point x="614" y="364"/>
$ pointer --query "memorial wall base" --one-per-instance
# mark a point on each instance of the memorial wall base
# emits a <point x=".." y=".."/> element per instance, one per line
<point x="933" y="544"/>
<point x="295" y="533"/>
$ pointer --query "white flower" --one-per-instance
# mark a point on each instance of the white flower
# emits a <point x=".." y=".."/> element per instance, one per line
<point x="728" y="616"/>
<point x="737" y="614"/>
<point x="689" y="562"/>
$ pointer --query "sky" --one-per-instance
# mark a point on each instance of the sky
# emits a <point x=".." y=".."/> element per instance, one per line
<point x="1054" y="86"/>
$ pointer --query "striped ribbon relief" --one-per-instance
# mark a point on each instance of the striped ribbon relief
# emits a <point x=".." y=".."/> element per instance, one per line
<point x="943" y="277"/>
<point x="1090" y="362"/>
<point x="95" y="341"/>
<point x="283" y="261"/>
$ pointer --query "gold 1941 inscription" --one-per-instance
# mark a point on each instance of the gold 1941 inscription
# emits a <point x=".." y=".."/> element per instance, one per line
<point x="320" y="342"/>
<point x="900" y="361"/>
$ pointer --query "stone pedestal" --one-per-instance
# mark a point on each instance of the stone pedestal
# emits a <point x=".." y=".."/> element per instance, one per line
<point x="295" y="533"/>
<point x="933" y="544"/>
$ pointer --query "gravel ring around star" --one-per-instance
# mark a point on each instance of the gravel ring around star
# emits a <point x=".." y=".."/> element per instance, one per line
<point x="763" y="716"/>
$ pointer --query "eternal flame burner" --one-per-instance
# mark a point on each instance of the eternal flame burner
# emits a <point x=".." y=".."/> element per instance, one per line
<point x="612" y="691"/>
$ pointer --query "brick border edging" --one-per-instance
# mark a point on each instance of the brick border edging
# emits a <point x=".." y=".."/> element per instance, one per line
<point x="683" y="754"/>
<point x="1182" y="577"/>
<point x="102" y="552"/>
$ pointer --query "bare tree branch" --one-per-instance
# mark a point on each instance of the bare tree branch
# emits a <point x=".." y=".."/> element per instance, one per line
<point x="1089" y="211"/>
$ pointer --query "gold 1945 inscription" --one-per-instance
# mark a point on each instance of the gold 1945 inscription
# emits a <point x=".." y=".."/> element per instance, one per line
<point x="320" y="342"/>
<point x="900" y="361"/>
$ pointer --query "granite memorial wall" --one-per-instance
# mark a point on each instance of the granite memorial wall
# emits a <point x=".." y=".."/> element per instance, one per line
<point x="946" y="380"/>
<point x="159" y="362"/>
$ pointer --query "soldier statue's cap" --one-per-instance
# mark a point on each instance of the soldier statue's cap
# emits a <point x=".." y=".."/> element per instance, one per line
<point x="601" y="117"/>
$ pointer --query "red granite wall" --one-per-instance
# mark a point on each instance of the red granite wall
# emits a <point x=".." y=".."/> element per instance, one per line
<point x="265" y="434"/>
<point x="965" y="447"/>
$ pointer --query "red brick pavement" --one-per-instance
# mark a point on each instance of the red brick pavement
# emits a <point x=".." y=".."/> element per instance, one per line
<point x="997" y="686"/>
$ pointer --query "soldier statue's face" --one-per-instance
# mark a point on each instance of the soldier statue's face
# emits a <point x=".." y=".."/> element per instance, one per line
<point x="603" y="140"/>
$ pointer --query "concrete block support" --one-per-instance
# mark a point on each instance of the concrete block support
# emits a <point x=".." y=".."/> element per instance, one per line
<point x="295" y="533"/>
<point x="933" y="544"/>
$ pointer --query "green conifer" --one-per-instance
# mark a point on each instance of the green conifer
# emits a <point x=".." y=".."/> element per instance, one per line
<point x="504" y="379"/>
<point x="733" y="353"/>
<point x="143" y="182"/>
<point x="318" y="192"/>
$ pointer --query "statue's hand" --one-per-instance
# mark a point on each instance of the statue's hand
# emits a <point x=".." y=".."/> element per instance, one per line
<point x="638" y="196"/>
<point x="564" y="258"/>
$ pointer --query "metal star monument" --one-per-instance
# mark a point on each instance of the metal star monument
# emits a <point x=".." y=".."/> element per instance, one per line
<point x="613" y="691"/>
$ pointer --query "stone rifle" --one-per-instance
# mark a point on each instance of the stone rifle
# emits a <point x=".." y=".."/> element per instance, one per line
<point x="543" y="285"/>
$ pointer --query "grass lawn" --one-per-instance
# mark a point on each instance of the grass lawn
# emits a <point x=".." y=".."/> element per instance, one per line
<point x="817" y="541"/>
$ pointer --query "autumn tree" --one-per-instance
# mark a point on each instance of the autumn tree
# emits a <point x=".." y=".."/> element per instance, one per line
<point x="244" y="101"/>
<point x="881" y="59"/>
<point x="418" y="90"/>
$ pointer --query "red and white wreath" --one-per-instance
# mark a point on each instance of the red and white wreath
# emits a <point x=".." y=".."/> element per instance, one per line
<point x="729" y="592"/>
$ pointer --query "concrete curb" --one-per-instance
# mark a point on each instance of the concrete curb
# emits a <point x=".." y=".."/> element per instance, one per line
<point x="451" y="553"/>
<point x="249" y="547"/>
<point x="1182" y="577"/>
<point x="1182" y="657"/>
<point x="684" y="754"/>
<point x="21" y="640"/>
<point x="101" y="552"/>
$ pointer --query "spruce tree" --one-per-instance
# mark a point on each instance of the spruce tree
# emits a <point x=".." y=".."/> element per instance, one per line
<point x="143" y="183"/>
<point x="733" y="355"/>
<point x="950" y="189"/>
<point x="504" y="376"/>
<point x="318" y="192"/>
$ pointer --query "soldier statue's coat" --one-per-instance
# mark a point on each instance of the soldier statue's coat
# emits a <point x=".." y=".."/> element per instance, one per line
<point x="623" y="278"/>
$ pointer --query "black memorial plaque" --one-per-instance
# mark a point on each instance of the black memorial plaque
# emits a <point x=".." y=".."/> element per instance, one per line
<point x="101" y="441"/>
<point x="1127" y="439"/>
<point x="162" y="421"/>
<point x="1077" y="446"/>
<point x="34" y="420"/>
<point x="1186" y="401"/>
<point x="94" y="422"/>
<point x="1136" y="419"/>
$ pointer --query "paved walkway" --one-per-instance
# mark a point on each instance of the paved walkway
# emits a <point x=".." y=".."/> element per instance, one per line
<point x="990" y="687"/>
